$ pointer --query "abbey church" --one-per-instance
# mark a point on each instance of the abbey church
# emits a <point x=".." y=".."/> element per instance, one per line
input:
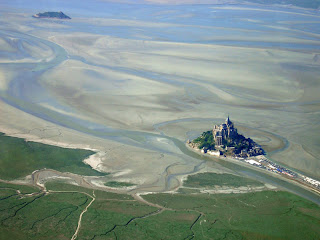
<point x="223" y="132"/>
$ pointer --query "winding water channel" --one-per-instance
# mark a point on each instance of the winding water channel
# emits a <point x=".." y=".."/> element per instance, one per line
<point x="25" y="91"/>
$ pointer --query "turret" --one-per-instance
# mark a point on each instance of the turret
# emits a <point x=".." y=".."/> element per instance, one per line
<point x="228" y="122"/>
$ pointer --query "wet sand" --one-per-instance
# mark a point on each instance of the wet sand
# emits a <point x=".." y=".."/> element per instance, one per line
<point x="136" y="98"/>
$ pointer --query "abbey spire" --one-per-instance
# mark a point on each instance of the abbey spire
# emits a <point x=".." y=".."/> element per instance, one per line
<point x="224" y="132"/>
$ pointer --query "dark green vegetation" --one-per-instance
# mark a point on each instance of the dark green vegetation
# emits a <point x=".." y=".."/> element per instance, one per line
<point x="40" y="216"/>
<point x="211" y="179"/>
<point x="205" y="141"/>
<point x="299" y="3"/>
<point x="22" y="188"/>
<point x="188" y="190"/>
<point x="120" y="215"/>
<point x="115" y="184"/>
<point x="105" y="218"/>
<point x="59" y="15"/>
<point x="261" y="215"/>
<point x="164" y="225"/>
<point x="19" y="158"/>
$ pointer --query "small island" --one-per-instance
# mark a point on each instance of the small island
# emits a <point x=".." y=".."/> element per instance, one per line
<point x="55" y="15"/>
<point x="225" y="140"/>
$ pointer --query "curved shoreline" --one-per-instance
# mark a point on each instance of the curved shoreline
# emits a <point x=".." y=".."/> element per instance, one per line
<point x="281" y="177"/>
<point x="287" y="184"/>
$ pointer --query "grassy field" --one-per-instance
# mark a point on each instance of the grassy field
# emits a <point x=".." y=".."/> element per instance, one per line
<point x="261" y="215"/>
<point x="22" y="188"/>
<point x="188" y="190"/>
<point x="109" y="215"/>
<point x="207" y="180"/>
<point x="19" y="158"/>
<point x="167" y="225"/>
<point x="104" y="215"/>
<point x="55" y="215"/>
<point x="52" y="216"/>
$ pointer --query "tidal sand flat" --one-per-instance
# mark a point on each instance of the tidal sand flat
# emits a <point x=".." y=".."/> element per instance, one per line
<point x="98" y="77"/>
<point x="197" y="79"/>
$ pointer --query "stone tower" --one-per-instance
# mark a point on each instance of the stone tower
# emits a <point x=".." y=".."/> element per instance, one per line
<point x="224" y="131"/>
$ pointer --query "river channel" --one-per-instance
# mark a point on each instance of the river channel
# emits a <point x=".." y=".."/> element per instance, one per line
<point x="25" y="91"/>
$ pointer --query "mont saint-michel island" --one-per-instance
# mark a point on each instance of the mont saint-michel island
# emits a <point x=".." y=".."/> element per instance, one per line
<point x="225" y="142"/>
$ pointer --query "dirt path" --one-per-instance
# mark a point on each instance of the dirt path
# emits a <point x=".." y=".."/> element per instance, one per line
<point x="75" y="235"/>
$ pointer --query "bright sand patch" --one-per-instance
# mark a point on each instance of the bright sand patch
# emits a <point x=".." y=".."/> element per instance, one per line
<point x="95" y="161"/>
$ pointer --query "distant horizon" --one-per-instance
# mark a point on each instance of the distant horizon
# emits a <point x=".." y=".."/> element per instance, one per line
<point x="59" y="3"/>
